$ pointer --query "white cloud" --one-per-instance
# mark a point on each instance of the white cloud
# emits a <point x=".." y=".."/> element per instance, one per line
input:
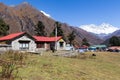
<point x="48" y="15"/>
<point x="104" y="28"/>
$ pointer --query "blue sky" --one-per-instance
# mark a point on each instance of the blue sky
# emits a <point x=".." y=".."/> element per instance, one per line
<point x="77" y="12"/>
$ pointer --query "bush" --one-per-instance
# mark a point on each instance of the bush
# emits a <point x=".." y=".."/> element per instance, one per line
<point x="8" y="68"/>
<point x="10" y="61"/>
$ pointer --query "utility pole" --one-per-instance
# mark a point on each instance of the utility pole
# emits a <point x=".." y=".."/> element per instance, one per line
<point x="56" y="37"/>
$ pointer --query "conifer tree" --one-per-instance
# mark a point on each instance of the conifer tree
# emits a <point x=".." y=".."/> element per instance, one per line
<point x="59" y="30"/>
<point x="85" y="42"/>
<point x="71" y="37"/>
<point x="3" y="28"/>
<point x="40" y="29"/>
<point x="114" y="41"/>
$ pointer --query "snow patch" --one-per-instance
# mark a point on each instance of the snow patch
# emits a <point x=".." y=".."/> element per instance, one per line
<point x="48" y="15"/>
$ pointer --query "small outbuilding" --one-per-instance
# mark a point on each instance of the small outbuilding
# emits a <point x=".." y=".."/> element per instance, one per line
<point x="97" y="47"/>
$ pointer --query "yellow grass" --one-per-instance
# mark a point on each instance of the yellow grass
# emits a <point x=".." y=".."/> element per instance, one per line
<point x="105" y="66"/>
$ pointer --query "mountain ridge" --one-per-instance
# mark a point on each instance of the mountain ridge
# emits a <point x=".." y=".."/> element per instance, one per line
<point x="24" y="17"/>
<point x="116" y="33"/>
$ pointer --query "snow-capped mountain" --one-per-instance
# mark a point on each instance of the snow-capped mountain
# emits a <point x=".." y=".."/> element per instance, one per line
<point x="104" y="28"/>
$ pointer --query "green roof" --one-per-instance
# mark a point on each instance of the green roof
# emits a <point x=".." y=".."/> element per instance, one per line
<point x="99" y="46"/>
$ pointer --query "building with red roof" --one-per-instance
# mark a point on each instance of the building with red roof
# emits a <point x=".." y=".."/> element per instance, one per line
<point x="24" y="41"/>
<point x="47" y="39"/>
<point x="46" y="42"/>
<point x="18" y="41"/>
<point x="11" y="36"/>
<point x="114" y="49"/>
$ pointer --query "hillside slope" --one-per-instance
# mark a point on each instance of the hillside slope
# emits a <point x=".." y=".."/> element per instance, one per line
<point x="24" y="17"/>
<point x="116" y="33"/>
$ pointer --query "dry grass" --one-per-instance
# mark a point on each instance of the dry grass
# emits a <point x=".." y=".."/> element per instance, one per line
<point x="105" y="66"/>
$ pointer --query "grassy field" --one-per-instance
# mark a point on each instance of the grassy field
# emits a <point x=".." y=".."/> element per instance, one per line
<point x="105" y="66"/>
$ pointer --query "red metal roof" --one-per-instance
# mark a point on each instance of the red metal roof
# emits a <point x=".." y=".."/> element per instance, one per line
<point x="37" y="38"/>
<point x="84" y="47"/>
<point x="114" y="47"/>
<point x="47" y="39"/>
<point x="11" y="36"/>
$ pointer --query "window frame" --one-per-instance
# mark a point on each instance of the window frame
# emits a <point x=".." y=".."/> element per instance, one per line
<point x="24" y="45"/>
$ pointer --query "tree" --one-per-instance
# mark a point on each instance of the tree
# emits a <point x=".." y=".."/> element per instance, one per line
<point x="114" y="41"/>
<point x="59" y="30"/>
<point x="40" y="29"/>
<point x="3" y="28"/>
<point x="85" y="42"/>
<point x="71" y="37"/>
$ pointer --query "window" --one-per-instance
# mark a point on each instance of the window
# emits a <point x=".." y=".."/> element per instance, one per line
<point x="40" y="45"/>
<point x="24" y="45"/>
<point x="61" y="44"/>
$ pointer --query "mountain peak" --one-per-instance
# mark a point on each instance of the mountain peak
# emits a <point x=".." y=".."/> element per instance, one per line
<point x="23" y="5"/>
<point x="26" y="4"/>
<point x="106" y="25"/>
<point x="2" y="4"/>
<point x="104" y="28"/>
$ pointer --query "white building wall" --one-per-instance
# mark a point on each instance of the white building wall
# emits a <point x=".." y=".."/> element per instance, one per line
<point x="61" y="48"/>
<point x="5" y="48"/>
<point x="16" y="45"/>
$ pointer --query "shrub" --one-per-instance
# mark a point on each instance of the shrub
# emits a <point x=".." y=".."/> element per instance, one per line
<point x="8" y="68"/>
<point x="10" y="61"/>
